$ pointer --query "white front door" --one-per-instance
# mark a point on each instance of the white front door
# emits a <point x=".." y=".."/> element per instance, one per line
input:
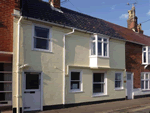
<point x="129" y="85"/>
<point x="32" y="92"/>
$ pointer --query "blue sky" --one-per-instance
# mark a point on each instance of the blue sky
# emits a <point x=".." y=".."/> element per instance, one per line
<point x="114" y="11"/>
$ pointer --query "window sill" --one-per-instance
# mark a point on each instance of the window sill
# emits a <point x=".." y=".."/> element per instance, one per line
<point x="99" y="95"/>
<point x="145" y="64"/>
<point x="75" y="91"/>
<point x="42" y="50"/>
<point x="118" y="89"/>
<point x="145" y="90"/>
<point x="94" y="56"/>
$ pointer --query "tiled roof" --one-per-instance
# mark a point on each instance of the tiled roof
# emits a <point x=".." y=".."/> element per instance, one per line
<point x="130" y="35"/>
<point x="43" y="11"/>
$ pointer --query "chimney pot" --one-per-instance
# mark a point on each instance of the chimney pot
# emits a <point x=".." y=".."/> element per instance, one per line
<point x="55" y="3"/>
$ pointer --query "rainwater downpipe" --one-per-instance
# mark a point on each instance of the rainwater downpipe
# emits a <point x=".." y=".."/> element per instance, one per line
<point x="64" y="62"/>
<point x="17" y="70"/>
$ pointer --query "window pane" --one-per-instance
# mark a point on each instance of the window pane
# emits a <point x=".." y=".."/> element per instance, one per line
<point x="75" y="75"/>
<point x="41" y="32"/>
<point x="144" y="57"/>
<point x="117" y="76"/>
<point x="142" y="76"/>
<point x="146" y="84"/>
<point x="142" y="84"/>
<point x="75" y="85"/>
<point x="105" y="49"/>
<point x="93" y="48"/>
<point x="98" y="88"/>
<point x="128" y="76"/>
<point x="148" y="48"/>
<point x="146" y="76"/>
<point x="98" y="77"/>
<point x="99" y="48"/>
<point x="148" y="57"/>
<point x="144" y="49"/>
<point x="41" y="43"/>
<point x="117" y="84"/>
<point x="105" y="40"/>
<point x="32" y="81"/>
<point x="99" y="39"/>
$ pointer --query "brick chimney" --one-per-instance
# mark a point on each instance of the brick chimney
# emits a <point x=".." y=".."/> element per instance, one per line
<point x="55" y="3"/>
<point x="132" y="20"/>
<point x="139" y="29"/>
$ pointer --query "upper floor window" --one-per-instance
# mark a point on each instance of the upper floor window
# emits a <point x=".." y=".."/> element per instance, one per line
<point x="99" y="46"/>
<point x="146" y="55"/>
<point x="41" y="38"/>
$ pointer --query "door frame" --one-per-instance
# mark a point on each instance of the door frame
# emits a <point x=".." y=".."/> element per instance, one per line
<point x="132" y="76"/>
<point x="41" y="84"/>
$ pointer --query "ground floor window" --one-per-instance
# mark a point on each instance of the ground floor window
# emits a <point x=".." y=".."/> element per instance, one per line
<point x="99" y="83"/>
<point x="75" y="81"/>
<point x="118" y="80"/>
<point x="145" y="81"/>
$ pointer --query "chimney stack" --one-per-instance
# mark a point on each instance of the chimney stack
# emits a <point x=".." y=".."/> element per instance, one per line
<point x="139" y="29"/>
<point x="55" y="3"/>
<point x="132" y="20"/>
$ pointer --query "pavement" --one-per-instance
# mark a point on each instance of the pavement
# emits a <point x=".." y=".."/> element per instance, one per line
<point x="141" y="105"/>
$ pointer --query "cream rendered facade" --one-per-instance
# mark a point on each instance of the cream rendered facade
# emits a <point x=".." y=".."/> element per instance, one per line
<point x="77" y="58"/>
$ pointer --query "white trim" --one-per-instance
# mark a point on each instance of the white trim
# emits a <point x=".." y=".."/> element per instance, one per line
<point x="41" y="91"/>
<point x="4" y="52"/>
<point x="81" y="82"/>
<point x="49" y="38"/>
<point x="102" y="45"/>
<point x="122" y="87"/>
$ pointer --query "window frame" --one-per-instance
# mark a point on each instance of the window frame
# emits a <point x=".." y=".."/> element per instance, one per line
<point x="147" y="51"/>
<point x="105" y="85"/>
<point x="121" y="87"/>
<point x="80" y="84"/>
<point x="144" y="74"/>
<point x="49" y="38"/>
<point x="102" y="46"/>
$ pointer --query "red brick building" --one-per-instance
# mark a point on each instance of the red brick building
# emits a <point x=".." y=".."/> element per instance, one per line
<point x="6" y="49"/>
<point x="135" y="56"/>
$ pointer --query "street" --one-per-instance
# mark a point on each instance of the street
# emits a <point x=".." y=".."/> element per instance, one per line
<point x="141" y="105"/>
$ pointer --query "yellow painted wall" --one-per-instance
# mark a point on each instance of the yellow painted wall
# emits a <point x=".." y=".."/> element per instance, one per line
<point x="87" y="79"/>
<point x="51" y="63"/>
<point x="117" y="54"/>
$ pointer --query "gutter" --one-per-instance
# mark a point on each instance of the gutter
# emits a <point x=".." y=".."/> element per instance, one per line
<point x="17" y="64"/>
<point x="64" y="62"/>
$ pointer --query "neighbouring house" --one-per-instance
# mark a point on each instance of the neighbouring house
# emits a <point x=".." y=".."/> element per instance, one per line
<point x="6" y="50"/>
<point x="62" y="58"/>
<point x="137" y="50"/>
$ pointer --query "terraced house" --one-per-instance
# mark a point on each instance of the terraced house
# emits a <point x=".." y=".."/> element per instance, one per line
<point x="62" y="58"/>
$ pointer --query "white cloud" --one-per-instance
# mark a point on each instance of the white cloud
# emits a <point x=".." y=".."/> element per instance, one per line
<point x="124" y="16"/>
<point x="113" y="7"/>
<point x="148" y="12"/>
<point x="103" y="2"/>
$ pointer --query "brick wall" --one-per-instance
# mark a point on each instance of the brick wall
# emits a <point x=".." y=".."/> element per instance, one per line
<point x="6" y="24"/>
<point x="134" y="62"/>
